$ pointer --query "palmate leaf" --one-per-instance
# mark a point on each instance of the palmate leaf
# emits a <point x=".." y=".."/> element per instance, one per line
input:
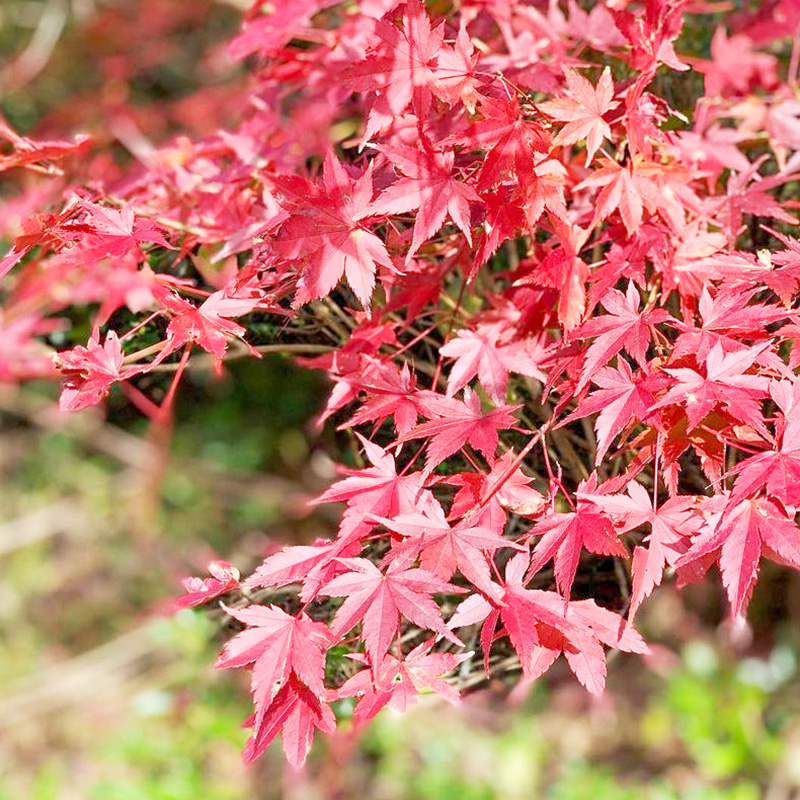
<point x="583" y="109"/>
<point x="455" y="423"/>
<point x="288" y="661"/>
<point x="566" y="534"/>
<point x="746" y="530"/>
<point x="429" y="188"/>
<point x="378" y="599"/>
<point x="324" y="232"/>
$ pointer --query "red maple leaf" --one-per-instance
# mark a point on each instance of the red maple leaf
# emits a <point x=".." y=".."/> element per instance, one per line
<point x="540" y="628"/>
<point x="672" y="524"/>
<point x="454" y="72"/>
<point x="623" y="397"/>
<point x="295" y="712"/>
<point x="397" y="683"/>
<point x="480" y="352"/>
<point x="324" y="232"/>
<point x="776" y="470"/>
<point x="430" y="189"/>
<point x="223" y="579"/>
<point x="509" y="140"/>
<point x="288" y="658"/>
<point x="746" y="530"/>
<point x="443" y="549"/>
<point x="583" y="110"/>
<point x="207" y="325"/>
<point x="566" y="534"/>
<point x="621" y="189"/>
<point x="377" y="491"/>
<point x="389" y="394"/>
<point x="724" y="384"/>
<point x="515" y="494"/>
<point x="378" y="600"/>
<point x="624" y="327"/>
<point x="37" y="155"/>
<point x="456" y="423"/>
<point x="400" y="67"/>
<point x="91" y="371"/>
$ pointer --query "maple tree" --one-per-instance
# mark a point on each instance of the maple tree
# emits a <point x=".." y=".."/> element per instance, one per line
<point x="553" y="285"/>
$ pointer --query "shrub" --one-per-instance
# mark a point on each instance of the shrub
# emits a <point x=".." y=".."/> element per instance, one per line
<point x="547" y="260"/>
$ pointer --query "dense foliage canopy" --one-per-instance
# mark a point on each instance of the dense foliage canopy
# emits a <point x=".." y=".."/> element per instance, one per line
<point x="549" y="263"/>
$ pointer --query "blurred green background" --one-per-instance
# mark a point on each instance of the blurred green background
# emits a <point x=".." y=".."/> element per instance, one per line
<point x="106" y="695"/>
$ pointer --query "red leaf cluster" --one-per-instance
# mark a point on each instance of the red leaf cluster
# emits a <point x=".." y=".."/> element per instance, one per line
<point x="566" y="330"/>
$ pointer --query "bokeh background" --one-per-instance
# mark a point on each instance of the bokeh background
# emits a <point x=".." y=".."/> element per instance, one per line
<point x="105" y="694"/>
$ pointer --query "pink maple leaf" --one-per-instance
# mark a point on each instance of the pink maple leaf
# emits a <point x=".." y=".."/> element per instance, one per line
<point x="428" y="188"/>
<point x="378" y="600"/>
<point x="672" y="524"/>
<point x="458" y="422"/>
<point x="91" y="371"/>
<point x="397" y="683"/>
<point x="224" y="578"/>
<point x="480" y="352"/>
<point x="400" y="67"/>
<point x="623" y="397"/>
<point x="624" y="327"/>
<point x="566" y="534"/>
<point x="288" y="658"/>
<point x="324" y="232"/>
<point x="746" y="530"/>
<point x="725" y="383"/>
<point x="583" y="109"/>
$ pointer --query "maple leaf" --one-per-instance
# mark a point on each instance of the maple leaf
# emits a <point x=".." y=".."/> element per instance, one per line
<point x="325" y="234"/>
<point x="541" y="627"/>
<point x="672" y="524"/>
<point x="747" y="192"/>
<point x="443" y="549"/>
<point x="91" y="371"/>
<point x="295" y="712"/>
<point x="37" y="154"/>
<point x="309" y="565"/>
<point x="276" y="643"/>
<point x="723" y="384"/>
<point x="651" y="34"/>
<point x="400" y="67"/>
<point x="456" y="423"/>
<point x="734" y="65"/>
<point x="480" y="352"/>
<point x="224" y="578"/>
<point x="623" y="397"/>
<point x="624" y="327"/>
<point x="620" y="190"/>
<point x="390" y="394"/>
<point x="206" y="325"/>
<point x="566" y="534"/>
<point x="776" y="470"/>
<point x="430" y="189"/>
<point x="515" y="494"/>
<point x="117" y="231"/>
<point x="398" y="682"/>
<point x="583" y="111"/>
<point x="454" y="72"/>
<point x="565" y="271"/>
<point x="726" y="317"/>
<point x="509" y="140"/>
<point x="288" y="658"/>
<point x="377" y="491"/>
<point x="746" y="530"/>
<point x="378" y="599"/>
<point x="266" y="34"/>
